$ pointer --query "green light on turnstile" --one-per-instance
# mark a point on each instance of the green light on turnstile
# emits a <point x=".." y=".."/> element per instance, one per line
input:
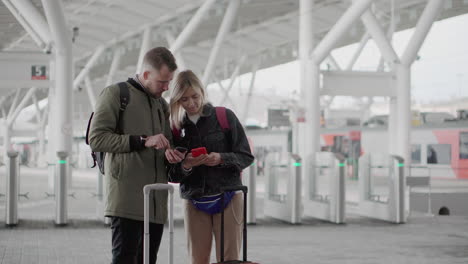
<point x="341" y="164"/>
<point x="400" y="165"/>
<point x="253" y="164"/>
<point x="62" y="161"/>
<point x="297" y="164"/>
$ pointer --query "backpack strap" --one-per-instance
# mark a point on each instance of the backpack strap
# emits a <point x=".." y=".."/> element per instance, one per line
<point x="124" y="101"/>
<point x="176" y="133"/>
<point x="87" y="129"/>
<point x="222" y="118"/>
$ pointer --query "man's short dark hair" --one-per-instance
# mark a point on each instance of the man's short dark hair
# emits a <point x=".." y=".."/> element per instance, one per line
<point x="159" y="56"/>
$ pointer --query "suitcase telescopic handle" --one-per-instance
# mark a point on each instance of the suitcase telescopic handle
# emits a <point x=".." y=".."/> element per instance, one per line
<point x="244" y="189"/>
<point x="146" y="192"/>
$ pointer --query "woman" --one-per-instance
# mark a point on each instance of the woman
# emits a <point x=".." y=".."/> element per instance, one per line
<point x="196" y="124"/>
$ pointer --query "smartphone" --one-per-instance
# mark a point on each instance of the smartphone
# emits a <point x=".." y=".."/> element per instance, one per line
<point x="181" y="149"/>
<point x="198" y="151"/>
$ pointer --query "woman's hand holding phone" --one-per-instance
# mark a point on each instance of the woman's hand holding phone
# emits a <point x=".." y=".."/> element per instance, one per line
<point x="190" y="161"/>
<point x="213" y="159"/>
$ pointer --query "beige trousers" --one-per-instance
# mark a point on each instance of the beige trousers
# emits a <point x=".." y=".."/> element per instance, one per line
<point x="200" y="228"/>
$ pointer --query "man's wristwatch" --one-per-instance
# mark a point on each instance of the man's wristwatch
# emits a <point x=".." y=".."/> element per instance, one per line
<point x="143" y="140"/>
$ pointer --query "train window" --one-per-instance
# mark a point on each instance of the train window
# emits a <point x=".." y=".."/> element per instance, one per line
<point x="463" y="145"/>
<point x="439" y="154"/>
<point x="415" y="154"/>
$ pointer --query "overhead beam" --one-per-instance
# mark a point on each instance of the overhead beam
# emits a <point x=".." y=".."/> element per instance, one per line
<point x="145" y="46"/>
<point x="177" y="54"/>
<point x="84" y="72"/>
<point x="422" y="28"/>
<point x="234" y="76"/>
<point x="161" y="20"/>
<point x="390" y="31"/>
<point x="226" y="24"/>
<point x="30" y="31"/>
<point x="191" y="26"/>
<point x="255" y="67"/>
<point x="114" y="66"/>
<point x="90" y="92"/>
<point x="224" y="90"/>
<point x="380" y="38"/>
<point x="21" y="39"/>
<point x="38" y="110"/>
<point x="345" y="22"/>
<point x="20" y="106"/>
<point x="362" y="43"/>
<point x="34" y="18"/>
<point x="14" y="103"/>
<point x="333" y="62"/>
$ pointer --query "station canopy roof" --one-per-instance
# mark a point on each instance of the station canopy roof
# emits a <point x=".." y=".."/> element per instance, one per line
<point x="265" y="30"/>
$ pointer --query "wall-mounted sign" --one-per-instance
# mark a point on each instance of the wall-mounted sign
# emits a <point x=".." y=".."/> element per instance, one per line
<point x="278" y="117"/>
<point x="38" y="72"/>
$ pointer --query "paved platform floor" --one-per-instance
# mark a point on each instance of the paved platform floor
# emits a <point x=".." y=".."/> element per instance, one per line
<point x="424" y="239"/>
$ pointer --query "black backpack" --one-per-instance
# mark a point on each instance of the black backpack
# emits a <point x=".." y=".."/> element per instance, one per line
<point x="98" y="157"/>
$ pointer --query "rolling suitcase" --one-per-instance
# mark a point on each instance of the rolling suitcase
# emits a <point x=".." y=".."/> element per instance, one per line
<point x="244" y="233"/>
<point x="146" y="191"/>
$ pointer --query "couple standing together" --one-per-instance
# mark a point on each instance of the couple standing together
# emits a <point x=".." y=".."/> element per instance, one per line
<point x="143" y="152"/>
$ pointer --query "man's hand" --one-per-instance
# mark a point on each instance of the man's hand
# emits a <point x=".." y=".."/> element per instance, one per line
<point x="158" y="141"/>
<point x="191" y="162"/>
<point x="174" y="156"/>
<point x="213" y="159"/>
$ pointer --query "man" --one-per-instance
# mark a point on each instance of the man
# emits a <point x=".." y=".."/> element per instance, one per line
<point x="136" y="147"/>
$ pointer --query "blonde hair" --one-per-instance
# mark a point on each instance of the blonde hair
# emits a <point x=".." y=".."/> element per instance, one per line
<point x="185" y="80"/>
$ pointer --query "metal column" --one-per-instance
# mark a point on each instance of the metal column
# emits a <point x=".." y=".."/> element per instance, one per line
<point x="403" y="111"/>
<point x="12" y="185"/>
<point x="6" y="141"/>
<point x="64" y="98"/>
<point x="306" y="45"/>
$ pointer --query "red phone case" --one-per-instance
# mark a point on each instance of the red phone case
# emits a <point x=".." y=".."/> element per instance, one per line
<point x="198" y="151"/>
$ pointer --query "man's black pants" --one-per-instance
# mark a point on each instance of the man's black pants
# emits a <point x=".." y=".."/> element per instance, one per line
<point x="127" y="241"/>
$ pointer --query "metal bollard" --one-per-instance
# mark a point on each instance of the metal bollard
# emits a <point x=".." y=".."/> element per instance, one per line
<point x="399" y="186"/>
<point x="61" y="214"/>
<point x="296" y="190"/>
<point x="12" y="184"/>
<point x="339" y="191"/>
<point x="249" y="180"/>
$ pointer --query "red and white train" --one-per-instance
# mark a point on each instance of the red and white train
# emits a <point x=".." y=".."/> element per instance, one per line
<point x="439" y="151"/>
